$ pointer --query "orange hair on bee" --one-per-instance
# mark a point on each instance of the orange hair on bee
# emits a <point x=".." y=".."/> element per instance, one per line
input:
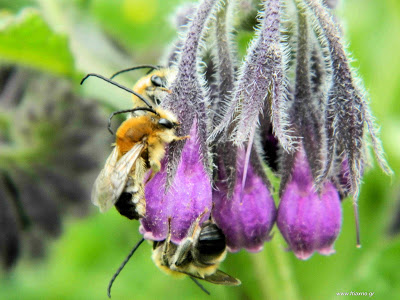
<point x="132" y="131"/>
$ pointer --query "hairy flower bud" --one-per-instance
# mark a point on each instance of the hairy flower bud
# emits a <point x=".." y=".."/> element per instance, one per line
<point x="260" y="76"/>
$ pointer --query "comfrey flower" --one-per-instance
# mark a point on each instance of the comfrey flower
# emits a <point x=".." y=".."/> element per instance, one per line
<point x="187" y="198"/>
<point x="318" y="120"/>
<point x="247" y="213"/>
<point x="243" y="205"/>
<point x="293" y="104"/>
<point x="182" y="190"/>
<point x="309" y="214"/>
<point x="309" y="219"/>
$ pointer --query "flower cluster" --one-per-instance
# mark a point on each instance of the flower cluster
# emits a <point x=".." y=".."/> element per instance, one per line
<point x="293" y="106"/>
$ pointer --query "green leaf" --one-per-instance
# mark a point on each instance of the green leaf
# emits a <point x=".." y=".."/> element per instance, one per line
<point x="26" y="39"/>
<point x="15" y="5"/>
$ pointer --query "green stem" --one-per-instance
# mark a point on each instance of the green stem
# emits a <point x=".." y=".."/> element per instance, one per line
<point x="263" y="269"/>
<point x="284" y="268"/>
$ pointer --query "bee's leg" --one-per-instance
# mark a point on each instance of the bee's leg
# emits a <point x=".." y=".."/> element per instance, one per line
<point x="156" y="153"/>
<point x="165" y="90"/>
<point x="195" y="225"/>
<point x="155" y="168"/>
<point x="180" y="138"/>
<point x="137" y="187"/>
<point x="186" y="245"/>
<point x="164" y="255"/>
<point x="139" y="200"/>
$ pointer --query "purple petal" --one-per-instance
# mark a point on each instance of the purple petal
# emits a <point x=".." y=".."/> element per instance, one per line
<point x="309" y="222"/>
<point x="245" y="222"/>
<point x="187" y="198"/>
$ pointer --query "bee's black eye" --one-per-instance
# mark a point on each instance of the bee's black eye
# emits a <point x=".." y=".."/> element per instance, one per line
<point x="166" y="123"/>
<point x="157" y="81"/>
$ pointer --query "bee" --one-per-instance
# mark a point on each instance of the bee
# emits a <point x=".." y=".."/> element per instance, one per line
<point x="153" y="86"/>
<point x="198" y="255"/>
<point x="139" y="148"/>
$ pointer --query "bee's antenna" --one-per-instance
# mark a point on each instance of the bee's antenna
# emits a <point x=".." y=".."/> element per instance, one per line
<point x="135" y="68"/>
<point x="122" y="266"/>
<point x="118" y="85"/>
<point x="200" y="285"/>
<point x="126" y="111"/>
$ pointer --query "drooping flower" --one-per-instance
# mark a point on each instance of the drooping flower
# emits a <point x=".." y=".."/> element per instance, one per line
<point x="308" y="219"/>
<point x="187" y="98"/>
<point x="243" y="205"/>
<point x="309" y="216"/>
<point x="245" y="216"/>
<point x="182" y="190"/>
<point x="187" y="198"/>
<point x="347" y="112"/>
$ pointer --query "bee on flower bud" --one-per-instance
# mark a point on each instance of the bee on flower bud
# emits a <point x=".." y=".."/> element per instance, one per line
<point x="139" y="147"/>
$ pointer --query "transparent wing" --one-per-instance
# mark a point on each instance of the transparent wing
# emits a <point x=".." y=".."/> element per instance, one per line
<point x="218" y="277"/>
<point x="113" y="178"/>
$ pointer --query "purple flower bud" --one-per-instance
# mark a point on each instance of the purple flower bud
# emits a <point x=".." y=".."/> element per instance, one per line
<point x="261" y="76"/>
<point x="188" y="98"/>
<point x="188" y="197"/>
<point x="181" y="20"/>
<point x="308" y="221"/>
<point x="246" y="221"/>
<point x="347" y="110"/>
<point x="342" y="177"/>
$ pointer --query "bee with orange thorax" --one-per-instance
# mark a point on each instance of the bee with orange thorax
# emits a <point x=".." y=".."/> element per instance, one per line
<point x="139" y="147"/>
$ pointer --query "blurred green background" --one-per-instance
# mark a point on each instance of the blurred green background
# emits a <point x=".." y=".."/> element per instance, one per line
<point x="69" y="38"/>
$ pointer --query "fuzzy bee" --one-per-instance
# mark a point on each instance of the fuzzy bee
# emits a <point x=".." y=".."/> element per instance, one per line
<point x="139" y="147"/>
<point x="198" y="255"/>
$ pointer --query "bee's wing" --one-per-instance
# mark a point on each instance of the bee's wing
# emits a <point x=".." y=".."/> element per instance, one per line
<point x="113" y="178"/>
<point x="218" y="277"/>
